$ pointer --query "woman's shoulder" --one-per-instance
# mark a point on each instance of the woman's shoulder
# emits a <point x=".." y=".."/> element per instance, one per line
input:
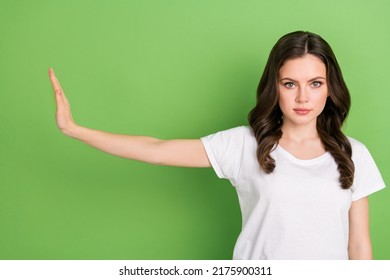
<point x="356" y="144"/>
<point x="247" y="132"/>
<point x="239" y="135"/>
<point x="358" y="148"/>
<point x="244" y="130"/>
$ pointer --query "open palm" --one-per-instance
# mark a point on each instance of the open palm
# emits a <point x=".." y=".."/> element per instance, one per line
<point x="63" y="114"/>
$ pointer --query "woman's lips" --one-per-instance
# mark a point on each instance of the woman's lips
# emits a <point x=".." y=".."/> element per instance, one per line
<point x="300" y="111"/>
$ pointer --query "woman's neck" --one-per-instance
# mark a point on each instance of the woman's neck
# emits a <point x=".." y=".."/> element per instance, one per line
<point x="303" y="141"/>
<point x="300" y="133"/>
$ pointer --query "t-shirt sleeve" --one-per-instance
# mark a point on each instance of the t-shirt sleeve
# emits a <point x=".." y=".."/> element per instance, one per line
<point x="367" y="179"/>
<point x="225" y="150"/>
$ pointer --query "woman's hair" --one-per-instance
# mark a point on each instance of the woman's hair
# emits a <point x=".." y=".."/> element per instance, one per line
<point x="266" y="117"/>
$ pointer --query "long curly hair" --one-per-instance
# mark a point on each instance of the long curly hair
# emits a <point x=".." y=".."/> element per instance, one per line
<point x="266" y="117"/>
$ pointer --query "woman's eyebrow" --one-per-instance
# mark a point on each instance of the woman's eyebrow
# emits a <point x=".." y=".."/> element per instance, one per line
<point x="315" y="78"/>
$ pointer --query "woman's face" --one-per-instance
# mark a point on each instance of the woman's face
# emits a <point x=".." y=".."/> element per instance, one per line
<point x="302" y="90"/>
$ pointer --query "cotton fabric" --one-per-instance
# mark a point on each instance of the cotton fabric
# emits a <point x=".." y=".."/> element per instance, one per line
<point x="299" y="211"/>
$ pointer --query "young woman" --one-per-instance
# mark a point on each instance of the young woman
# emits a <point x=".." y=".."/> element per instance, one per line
<point x="302" y="184"/>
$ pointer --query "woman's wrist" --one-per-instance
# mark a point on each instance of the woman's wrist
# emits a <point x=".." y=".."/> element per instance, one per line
<point x="72" y="130"/>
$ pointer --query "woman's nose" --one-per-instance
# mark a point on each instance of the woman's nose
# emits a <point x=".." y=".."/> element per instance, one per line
<point x="302" y="95"/>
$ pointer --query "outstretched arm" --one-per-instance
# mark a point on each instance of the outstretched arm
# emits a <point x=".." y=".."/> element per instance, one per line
<point x="186" y="153"/>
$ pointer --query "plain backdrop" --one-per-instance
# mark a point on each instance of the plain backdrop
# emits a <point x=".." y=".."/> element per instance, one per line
<point x="169" y="69"/>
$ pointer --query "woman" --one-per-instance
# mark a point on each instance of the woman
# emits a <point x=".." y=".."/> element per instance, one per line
<point x="302" y="184"/>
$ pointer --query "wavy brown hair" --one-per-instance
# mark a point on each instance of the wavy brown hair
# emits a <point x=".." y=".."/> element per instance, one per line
<point x="266" y="117"/>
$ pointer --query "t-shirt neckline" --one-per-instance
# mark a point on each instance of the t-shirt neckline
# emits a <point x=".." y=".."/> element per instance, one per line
<point x="312" y="161"/>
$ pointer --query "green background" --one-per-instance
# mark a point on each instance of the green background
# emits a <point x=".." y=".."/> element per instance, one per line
<point x="169" y="69"/>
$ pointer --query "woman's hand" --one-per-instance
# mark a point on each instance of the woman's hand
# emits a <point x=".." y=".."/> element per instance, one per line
<point x="63" y="114"/>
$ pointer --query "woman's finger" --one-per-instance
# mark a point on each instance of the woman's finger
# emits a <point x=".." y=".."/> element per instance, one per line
<point x="54" y="81"/>
<point x="62" y="101"/>
<point x="63" y="114"/>
<point x="57" y="89"/>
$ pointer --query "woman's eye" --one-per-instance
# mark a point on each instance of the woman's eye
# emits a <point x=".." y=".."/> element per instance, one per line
<point x="316" y="84"/>
<point x="289" y="85"/>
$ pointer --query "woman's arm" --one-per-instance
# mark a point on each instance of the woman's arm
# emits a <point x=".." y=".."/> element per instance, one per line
<point x="186" y="153"/>
<point x="359" y="245"/>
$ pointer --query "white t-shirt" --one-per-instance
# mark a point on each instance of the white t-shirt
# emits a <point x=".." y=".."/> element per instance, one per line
<point x="299" y="211"/>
